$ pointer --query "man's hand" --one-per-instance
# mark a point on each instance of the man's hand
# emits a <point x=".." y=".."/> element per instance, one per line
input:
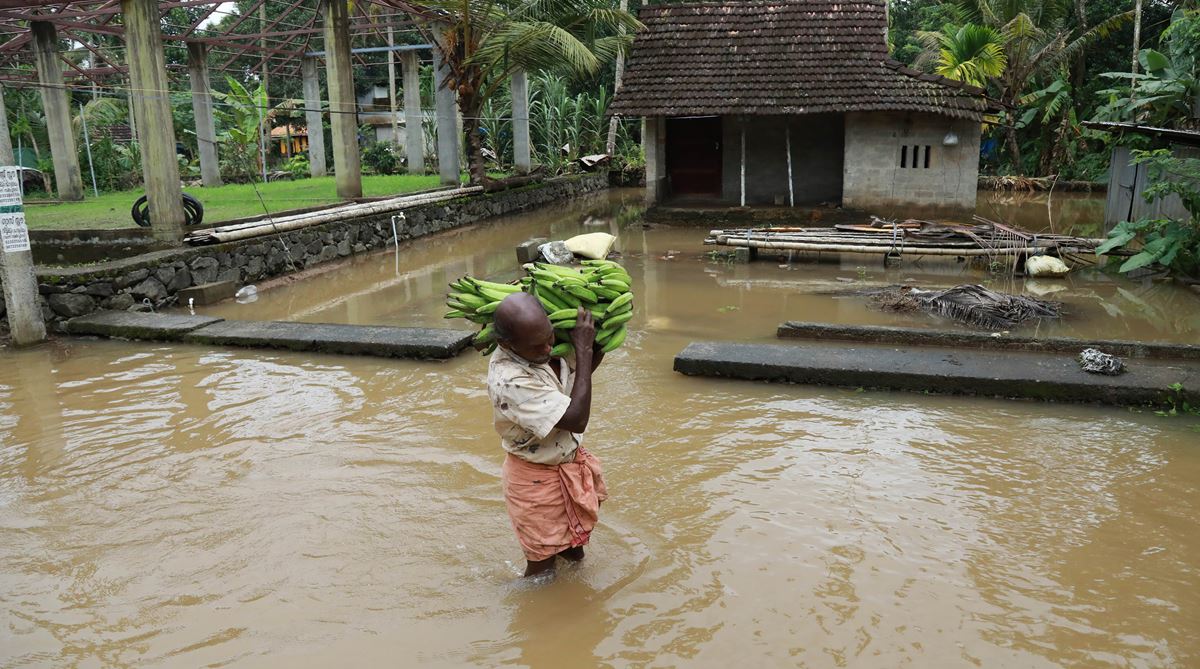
<point x="583" y="336"/>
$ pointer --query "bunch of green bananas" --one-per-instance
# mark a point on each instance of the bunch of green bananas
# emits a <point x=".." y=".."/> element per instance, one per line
<point x="600" y="286"/>
<point x="476" y="301"/>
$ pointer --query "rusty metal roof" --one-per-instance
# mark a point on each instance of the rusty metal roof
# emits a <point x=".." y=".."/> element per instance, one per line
<point x="766" y="58"/>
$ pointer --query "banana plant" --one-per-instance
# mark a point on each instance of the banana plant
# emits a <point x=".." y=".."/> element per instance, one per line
<point x="482" y="42"/>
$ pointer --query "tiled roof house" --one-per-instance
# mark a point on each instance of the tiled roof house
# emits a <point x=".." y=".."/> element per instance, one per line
<point x="736" y="95"/>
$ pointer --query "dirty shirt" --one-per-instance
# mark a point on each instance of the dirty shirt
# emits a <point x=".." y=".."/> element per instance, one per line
<point x="528" y="400"/>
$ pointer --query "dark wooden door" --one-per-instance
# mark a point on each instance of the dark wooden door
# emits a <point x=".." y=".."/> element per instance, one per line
<point x="694" y="155"/>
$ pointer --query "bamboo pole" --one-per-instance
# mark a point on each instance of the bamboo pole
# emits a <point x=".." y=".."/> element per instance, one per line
<point x="855" y="248"/>
<point x="787" y="135"/>
<point x="287" y="223"/>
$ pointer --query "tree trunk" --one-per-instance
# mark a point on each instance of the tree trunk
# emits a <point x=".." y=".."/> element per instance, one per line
<point x="1079" y="76"/>
<point x="1014" y="149"/>
<point x="475" y="164"/>
<point x="610" y="146"/>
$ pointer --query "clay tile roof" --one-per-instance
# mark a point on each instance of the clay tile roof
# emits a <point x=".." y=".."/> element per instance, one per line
<point x="774" y="57"/>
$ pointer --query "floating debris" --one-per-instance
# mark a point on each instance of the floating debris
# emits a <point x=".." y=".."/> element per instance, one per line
<point x="970" y="304"/>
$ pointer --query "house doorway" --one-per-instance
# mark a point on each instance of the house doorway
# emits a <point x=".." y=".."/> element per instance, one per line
<point x="694" y="156"/>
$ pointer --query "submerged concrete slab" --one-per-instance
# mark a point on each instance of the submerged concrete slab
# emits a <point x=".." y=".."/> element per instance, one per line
<point x="134" y="325"/>
<point x="208" y="293"/>
<point x="377" y="340"/>
<point x="1044" y="376"/>
<point x="876" y="334"/>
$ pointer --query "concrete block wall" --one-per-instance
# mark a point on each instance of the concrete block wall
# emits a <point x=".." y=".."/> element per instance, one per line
<point x="817" y="153"/>
<point x="654" y="146"/>
<point x="874" y="181"/>
<point x="156" y="277"/>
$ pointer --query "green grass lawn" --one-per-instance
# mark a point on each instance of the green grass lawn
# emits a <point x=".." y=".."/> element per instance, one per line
<point x="111" y="210"/>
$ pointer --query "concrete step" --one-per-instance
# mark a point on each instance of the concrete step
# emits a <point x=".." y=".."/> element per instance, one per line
<point x="376" y="340"/>
<point x="1014" y="374"/>
<point x="135" y="325"/>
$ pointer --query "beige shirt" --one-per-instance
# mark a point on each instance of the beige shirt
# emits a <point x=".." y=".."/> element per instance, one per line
<point x="528" y="400"/>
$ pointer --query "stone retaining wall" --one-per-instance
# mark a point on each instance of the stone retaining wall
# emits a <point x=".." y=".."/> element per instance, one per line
<point x="129" y="283"/>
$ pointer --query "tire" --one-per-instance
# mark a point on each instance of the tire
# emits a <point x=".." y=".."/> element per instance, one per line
<point x="193" y="211"/>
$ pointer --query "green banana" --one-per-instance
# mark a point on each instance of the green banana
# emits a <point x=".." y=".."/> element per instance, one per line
<point x="612" y="321"/>
<point x="488" y="308"/>
<point x="558" y="269"/>
<point x="615" y="340"/>
<point x="583" y="294"/>
<point x="619" y="302"/>
<point x="563" y="314"/>
<point x="456" y="313"/>
<point x="604" y="293"/>
<point x="564" y="325"/>
<point x="621" y="286"/>
<point x="486" y="335"/>
<point x="491" y="295"/>
<point x="489" y="348"/>
<point x="562" y="350"/>
<point x="566" y="298"/>
<point x="475" y="301"/>
<point x="482" y="320"/>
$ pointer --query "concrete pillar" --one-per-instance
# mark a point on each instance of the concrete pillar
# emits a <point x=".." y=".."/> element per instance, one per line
<point x="519" y="86"/>
<point x="202" y="109"/>
<point x="414" y="141"/>
<point x="6" y="151"/>
<point x="16" y="264"/>
<point x="342" y="108"/>
<point x="148" y="73"/>
<point x="57" y="108"/>
<point x="447" y="122"/>
<point x="391" y="41"/>
<point x="654" y="146"/>
<point x="310" y="74"/>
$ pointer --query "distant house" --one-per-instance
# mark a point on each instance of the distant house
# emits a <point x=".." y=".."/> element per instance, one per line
<point x="1127" y="182"/>
<point x="298" y="137"/>
<point x="753" y="103"/>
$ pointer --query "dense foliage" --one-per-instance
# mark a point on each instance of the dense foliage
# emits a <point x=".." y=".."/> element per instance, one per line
<point x="1052" y="65"/>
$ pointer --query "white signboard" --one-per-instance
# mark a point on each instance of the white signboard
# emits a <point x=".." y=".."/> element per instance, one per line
<point x="10" y="187"/>
<point x="13" y="233"/>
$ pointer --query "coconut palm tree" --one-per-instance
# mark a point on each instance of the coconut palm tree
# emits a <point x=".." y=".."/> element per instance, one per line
<point x="972" y="53"/>
<point x="1037" y="39"/>
<point x="482" y="42"/>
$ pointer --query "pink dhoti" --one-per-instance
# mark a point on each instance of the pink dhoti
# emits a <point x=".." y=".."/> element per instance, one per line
<point x="553" y="507"/>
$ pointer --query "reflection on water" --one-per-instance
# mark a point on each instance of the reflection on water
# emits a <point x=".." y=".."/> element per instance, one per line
<point x="178" y="506"/>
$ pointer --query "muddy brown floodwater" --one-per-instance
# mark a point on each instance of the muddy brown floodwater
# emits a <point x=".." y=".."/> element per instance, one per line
<point x="176" y="506"/>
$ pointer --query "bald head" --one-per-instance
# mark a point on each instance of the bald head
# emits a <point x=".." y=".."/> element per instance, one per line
<point x="522" y="327"/>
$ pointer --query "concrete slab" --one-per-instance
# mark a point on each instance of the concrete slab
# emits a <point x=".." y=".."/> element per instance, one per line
<point x="1044" y="376"/>
<point x="383" y="341"/>
<point x="135" y="325"/>
<point x="876" y="334"/>
<point x="208" y="293"/>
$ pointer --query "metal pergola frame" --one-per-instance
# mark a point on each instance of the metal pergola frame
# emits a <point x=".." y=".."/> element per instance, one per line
<point x="278" y="45"/>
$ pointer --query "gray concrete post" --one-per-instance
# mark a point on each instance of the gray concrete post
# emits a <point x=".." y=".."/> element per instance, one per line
<point x="447" y="122"/>
<point x="6" y="151"/>
<point x="202" y="109"/>
<point x="310" y="73"/>
<point x="653" y="145"/>
<point x="148" y="73"/>
<point x="16" y="265"/>
<point x="391" y="41"/>
<point x="343" y="116"/>
<point x="414" y="141"/>
<point x="519" y="85"/>
<point x="57" y="108"/>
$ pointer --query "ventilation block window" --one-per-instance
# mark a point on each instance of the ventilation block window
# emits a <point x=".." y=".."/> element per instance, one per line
<point x="926" y="156"/>
<point x="904" y="156"/>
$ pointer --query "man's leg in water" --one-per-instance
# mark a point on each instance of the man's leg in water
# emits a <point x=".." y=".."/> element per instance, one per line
<point x="573" y="554"/>
<point x="539" y="567"/>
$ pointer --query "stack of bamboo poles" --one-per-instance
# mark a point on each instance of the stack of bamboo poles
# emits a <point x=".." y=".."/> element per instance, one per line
<point x="917" y="238"/>
<point x="268" y="225"/>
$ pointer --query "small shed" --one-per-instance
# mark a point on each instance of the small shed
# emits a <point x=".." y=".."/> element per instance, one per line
<point x="1127" y="182"/>
<point x="792" y="103"/>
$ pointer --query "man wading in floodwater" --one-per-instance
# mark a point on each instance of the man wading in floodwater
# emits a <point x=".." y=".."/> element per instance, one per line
<point x="552" y="486"/>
